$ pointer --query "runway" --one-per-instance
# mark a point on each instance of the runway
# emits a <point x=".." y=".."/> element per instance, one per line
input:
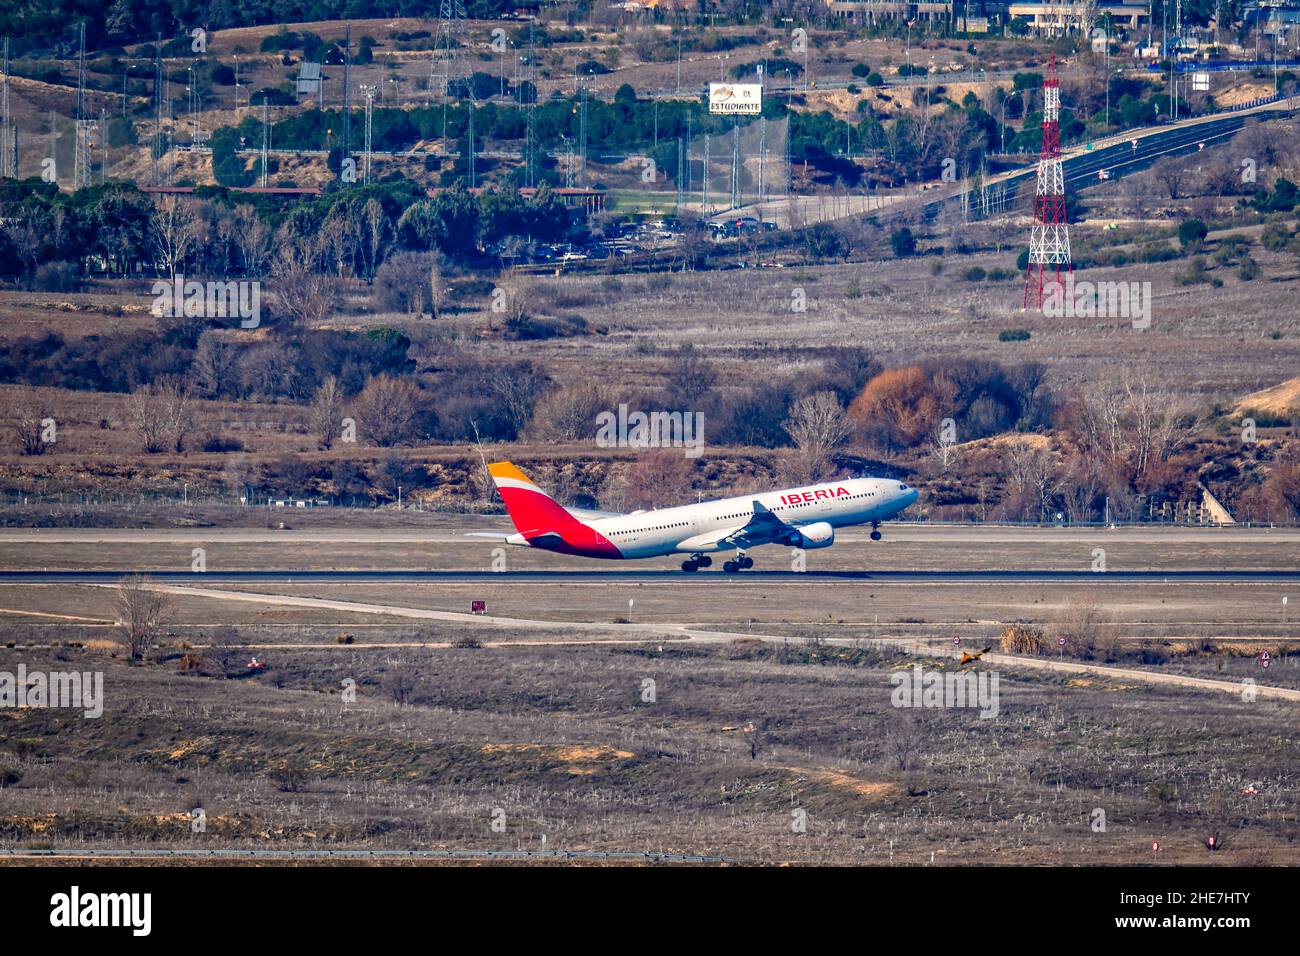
<point x="675" y="577"/>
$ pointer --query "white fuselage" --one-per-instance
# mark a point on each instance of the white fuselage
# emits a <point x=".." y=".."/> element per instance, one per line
<point x="688" y="529"/>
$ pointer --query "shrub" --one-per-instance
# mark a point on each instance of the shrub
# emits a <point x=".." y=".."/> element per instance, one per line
<point x="1196" y="272"/>
<point x="1153" y="655"/>
<point x="59" y="276"/>
<point x="10" y="774"/>
<point x="903" y="242"/>
<point x="824" y="242"/>
<point x="1022" y="639"/>
<point x="1014" y="335"/>
<point x="1191" y="232"/>
<point x="1275" y="237"/>
<point x="526" y="328"/>
<point x="220" y="443"/>
<point x="404" y="283"/>
<point x="1086" y="634"/>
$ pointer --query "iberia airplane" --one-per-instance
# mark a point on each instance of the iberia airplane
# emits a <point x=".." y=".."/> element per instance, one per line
<point x="796" y="517"/>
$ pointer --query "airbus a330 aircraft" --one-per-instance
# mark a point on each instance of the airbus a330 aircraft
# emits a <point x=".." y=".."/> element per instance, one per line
<point x="796" y="517"/>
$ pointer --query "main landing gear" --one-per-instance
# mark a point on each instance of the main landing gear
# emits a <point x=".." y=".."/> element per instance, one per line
<point x="741" y="563"/>
<point x="875" y="531"/>
<point x="697" y="561"/>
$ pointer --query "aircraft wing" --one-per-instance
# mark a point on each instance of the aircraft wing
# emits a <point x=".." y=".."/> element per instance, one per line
<point x="763" y="528"/>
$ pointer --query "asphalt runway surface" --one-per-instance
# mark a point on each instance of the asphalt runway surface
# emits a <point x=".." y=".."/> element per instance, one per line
<point x="699" y="578"/>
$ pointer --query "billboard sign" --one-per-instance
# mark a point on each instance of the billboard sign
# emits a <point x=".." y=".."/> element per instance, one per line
<point x="736" y="98"/>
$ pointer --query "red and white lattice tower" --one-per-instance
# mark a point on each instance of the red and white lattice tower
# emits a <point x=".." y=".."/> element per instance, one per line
<point x="1049" y="237"/>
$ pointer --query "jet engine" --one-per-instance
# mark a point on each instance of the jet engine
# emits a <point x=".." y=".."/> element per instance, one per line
<point x="819" y="534"/>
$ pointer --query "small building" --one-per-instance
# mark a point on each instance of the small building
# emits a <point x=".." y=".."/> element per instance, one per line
<point x="588" y="200"/>
<point x="1058" y="19"/>
<point x="1274" y="18"/>
<point x="870" y="11"/>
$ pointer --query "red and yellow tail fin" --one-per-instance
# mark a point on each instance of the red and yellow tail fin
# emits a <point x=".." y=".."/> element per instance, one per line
<point x="531" y="509"/>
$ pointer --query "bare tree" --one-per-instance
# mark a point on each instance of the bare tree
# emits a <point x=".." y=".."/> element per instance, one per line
<point x="301" y="293"/>
<point x="374" y="227"/>
<point x="1032" y="470"/>
<point x="404" y="282"/>
<point x="213" y="372"/>
<point x="1083" y="483"/>
<point x="817" y="425"/>
<point x="519" y="299"/>
<point x="340" y="238"/>
<point x="569" y="413"/>
<point x="387" y="409"/>
<point x="253" y="240"/>
<point x="903" y="740"/>
<point x="227" y="650"/>
<point x="147" y="416"/>
<point x="691" y="376"/>
<point x="326" y="412"/>
<point x="517" y="388"/>
<point x="818" y="421"/>
<point x="439" y="288"/>
<point x="174" y="231"/>
<point x="140" y="608"/>
<point x="29" y="428"/>
<point x="177" y="411"/>
<point x="399" y="683"/>
<point x="1172" y="175"/>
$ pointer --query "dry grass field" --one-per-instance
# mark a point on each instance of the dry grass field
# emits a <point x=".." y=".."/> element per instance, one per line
<point x="563" y="750"/>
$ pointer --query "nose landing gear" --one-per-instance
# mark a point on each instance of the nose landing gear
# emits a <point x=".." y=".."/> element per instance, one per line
<point x="875" y="531"/>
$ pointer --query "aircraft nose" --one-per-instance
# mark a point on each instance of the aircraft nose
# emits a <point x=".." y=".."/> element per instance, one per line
<point x="910" y="496"/>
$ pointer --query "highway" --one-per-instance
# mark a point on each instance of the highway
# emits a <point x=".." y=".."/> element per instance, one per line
<point x="1124" y="154"/>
